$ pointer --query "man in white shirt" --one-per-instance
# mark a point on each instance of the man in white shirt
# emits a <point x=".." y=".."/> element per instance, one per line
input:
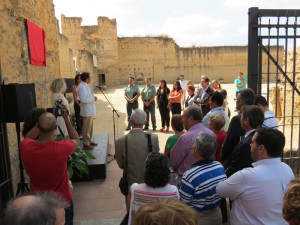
<point x="257" y="193"/>
<point x="182" y="82"/>
<point x="270" y="119"/>
<point x="87" y="110"/>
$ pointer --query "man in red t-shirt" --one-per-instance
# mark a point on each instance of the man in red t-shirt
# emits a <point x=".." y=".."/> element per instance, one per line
<point x="45" y="159"/>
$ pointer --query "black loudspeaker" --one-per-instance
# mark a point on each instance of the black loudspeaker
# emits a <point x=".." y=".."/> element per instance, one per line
<point x="17" y="100"/>
<point x="69" y="82"/>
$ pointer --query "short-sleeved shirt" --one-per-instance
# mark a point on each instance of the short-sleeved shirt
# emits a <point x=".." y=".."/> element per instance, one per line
<point x="130" y="91"/>
<point x="172" y="141"/>
<point x="46" y="165"/>
<point x="183" y="84"/>
<point x="162" y="97"/>
<point x="175" y="94"/>
<point x="238" y="81"/>
<point x="148" y="92"/>
<point x="198" y="185"/>
<point x="270" y="120"/>
<point x="141" y="194"/>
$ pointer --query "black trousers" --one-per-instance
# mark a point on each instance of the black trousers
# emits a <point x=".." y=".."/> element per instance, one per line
<point x="164" y="114"/>
<point x="69" y="214"/>
<point x="176" y="108"/>
<point x="131" y="107"/>
<point x="78" y="118"/>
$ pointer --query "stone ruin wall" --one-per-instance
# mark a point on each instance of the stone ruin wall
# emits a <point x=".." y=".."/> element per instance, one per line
<point x="161" y="57"/>
<point x="100" y="40"/>
<point x="157" y="57"/>
<point x="285" y="88"/>
<point x="15" y="64"/>
<point x="67" y="64"/>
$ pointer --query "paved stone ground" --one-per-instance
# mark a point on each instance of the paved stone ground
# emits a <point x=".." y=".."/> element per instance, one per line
<point x="100" y="201"/>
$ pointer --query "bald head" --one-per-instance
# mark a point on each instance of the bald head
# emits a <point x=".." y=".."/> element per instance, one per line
<point x="47" y="123"/>
<point x="38" y="208"/>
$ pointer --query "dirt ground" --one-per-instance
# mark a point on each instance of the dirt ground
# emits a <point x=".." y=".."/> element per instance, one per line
<point x="103" y="122"/>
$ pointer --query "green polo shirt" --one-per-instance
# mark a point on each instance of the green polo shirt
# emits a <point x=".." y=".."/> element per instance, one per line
<point x="129" y="91"/>
<point x="148" y="92"/>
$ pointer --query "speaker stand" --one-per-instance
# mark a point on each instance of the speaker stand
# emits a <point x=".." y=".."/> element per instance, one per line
<point x="23" y="185"/>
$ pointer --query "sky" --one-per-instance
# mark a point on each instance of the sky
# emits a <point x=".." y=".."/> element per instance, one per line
<point x="188" y="22"/>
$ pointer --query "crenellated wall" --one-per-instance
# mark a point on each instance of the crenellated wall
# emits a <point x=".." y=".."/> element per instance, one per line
<point x="67" y="64"/>
<point x="157" y="57"/>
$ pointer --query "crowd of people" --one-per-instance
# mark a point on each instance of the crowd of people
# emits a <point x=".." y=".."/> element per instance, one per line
<point x="207" y="160"/>
<point x="211" y="156"/>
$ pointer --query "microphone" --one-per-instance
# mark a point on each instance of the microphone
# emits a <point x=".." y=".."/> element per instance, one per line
<point x="101" y="88"/>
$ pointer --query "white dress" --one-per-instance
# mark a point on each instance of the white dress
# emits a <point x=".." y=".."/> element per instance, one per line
<point x="60" y="120"/>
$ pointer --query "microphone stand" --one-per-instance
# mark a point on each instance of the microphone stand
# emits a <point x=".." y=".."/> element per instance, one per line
<point x="114" y="111"/>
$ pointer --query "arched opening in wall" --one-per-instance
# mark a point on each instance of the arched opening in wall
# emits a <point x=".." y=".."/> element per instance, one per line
<point x="101" y="78"/>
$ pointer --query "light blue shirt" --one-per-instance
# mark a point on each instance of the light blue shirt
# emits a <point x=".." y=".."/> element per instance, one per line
<point x="257" y="193"/>
<point x="217" y="110"/>
<point x="238" y="81"/>
<point x="87" y="100"/>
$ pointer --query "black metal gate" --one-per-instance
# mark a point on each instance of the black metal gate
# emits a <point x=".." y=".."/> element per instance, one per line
<point x="274" y="71"/>
<point x="6" y="189"/>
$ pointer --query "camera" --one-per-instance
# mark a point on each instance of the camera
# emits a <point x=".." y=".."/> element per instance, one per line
<point x="59" y="108"/>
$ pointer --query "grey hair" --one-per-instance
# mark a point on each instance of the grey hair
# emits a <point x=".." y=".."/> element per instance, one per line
<point x="39" y="211"/>
<point x="195" y="112"/>
<point x="138" y="117"/>
<point x="206" y="145"/>
<point x="58" y="85"/>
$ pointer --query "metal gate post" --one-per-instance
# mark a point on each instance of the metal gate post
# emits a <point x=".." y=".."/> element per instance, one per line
<point x="253" y="49"/>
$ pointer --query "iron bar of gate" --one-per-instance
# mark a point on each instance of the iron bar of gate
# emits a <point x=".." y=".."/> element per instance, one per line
<point x="6" y="187"/>
<point x="279" y="36"/>
<point x="280" y="69"/>
<point x="274" y="25"/>
<point x="279" y="12"/>
<point x="276" y="94"/>
<point x="268" y="71"/>
<point x="294" y="76"/>
<point x="285" y="69"/>
<point x="259" y="68"/>
<point x="253" y="49"/>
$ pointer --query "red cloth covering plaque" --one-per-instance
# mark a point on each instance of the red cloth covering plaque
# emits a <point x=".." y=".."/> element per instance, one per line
<point x="37" y="48"/>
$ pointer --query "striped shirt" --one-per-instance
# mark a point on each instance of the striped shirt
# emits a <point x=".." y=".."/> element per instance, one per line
<point x="270" y="120"/>
<point x="141" y="194"/>
<point x="198" y="185"/>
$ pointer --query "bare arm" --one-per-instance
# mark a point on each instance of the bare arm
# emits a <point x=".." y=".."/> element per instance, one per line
<point x="75" y="95"/>
<point x="167" y="152"/>
<point x="136" y="97"/>
<point x="128" y="199"/>
<point x="33" y="133"/>
<point x="71" y="130"/>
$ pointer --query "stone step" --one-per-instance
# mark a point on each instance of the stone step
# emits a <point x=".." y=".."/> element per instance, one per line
<point x="97" y="167"/>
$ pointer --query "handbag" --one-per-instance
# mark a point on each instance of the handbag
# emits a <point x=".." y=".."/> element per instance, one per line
<point x="123" y="184"/>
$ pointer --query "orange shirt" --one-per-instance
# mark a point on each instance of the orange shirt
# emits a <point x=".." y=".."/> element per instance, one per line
<point x="175" y="94"/>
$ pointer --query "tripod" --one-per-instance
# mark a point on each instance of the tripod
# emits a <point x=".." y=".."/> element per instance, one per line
<point x="114" y="111"/>
<point x="23" y="185"/>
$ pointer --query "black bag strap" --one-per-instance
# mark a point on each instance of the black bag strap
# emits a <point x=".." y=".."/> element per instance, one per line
<point x="148" y="135"/>
<point x="125" y="163"/>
